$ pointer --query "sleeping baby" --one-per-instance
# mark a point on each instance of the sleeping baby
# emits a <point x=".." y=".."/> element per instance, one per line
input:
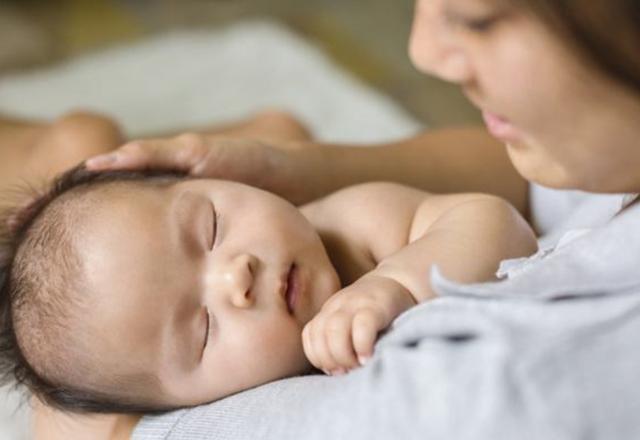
<point x="144" y="292"/>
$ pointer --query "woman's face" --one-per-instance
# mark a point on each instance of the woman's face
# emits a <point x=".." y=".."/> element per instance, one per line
<point x="564" y="124"/>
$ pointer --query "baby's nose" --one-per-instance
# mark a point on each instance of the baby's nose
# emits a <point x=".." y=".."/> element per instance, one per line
<point x="238" y="278"/>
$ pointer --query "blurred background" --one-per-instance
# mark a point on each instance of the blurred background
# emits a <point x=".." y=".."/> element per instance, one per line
<point x="367" y="38"/>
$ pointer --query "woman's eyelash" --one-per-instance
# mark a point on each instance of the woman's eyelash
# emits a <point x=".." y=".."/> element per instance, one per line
<point x="479" y="24"/>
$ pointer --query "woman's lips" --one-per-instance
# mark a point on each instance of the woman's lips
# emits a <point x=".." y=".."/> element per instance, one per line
<point x="500" y="127"/>
<point x="292" y="289"/>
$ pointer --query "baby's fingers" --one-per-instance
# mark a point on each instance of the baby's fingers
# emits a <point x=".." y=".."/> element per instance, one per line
<point x="366" y="325"/>
<point x="339" y="341"/>
<point x="319" y="340"/>
<point x="308" y="347"/>
<point x="315" y="346"/>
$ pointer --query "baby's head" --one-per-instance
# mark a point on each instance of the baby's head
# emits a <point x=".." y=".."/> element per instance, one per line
<point x="133" y="292"/>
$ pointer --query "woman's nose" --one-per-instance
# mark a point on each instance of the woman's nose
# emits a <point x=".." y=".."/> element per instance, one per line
<point x="236" y="280"/>
<point x="433" y="49"/>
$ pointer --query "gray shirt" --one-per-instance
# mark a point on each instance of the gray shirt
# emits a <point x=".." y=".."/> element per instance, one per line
<point x="551" y="352"/>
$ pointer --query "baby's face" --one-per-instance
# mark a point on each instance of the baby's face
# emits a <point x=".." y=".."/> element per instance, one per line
<point x="191" y="283"/>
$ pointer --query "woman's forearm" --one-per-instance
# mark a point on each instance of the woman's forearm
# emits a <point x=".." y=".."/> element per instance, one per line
<point x="441" y="161"/>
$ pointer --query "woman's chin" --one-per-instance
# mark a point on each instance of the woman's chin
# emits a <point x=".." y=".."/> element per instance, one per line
<point x="538" y="168"/>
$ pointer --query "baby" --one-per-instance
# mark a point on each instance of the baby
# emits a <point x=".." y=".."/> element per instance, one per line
<point x="143" y="292"/>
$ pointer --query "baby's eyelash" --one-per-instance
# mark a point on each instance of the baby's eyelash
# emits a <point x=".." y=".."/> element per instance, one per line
<point x="216" y="218"/>
<point x="206" y="333"/>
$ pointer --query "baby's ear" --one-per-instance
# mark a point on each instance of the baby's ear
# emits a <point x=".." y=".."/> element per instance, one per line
<point x="16" y="216"/>
<point x="11" y="221"/>
<point x="17" y="206"/>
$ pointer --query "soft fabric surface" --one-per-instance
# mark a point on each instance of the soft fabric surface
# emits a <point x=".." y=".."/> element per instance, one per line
<point x="191" y="78"/>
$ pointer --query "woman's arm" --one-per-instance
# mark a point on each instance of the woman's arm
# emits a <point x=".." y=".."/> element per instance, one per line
<point x="440" y="161"/>
<point x="443" y="161"/>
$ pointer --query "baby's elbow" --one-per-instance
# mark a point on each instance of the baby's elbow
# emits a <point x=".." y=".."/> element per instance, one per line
<point x="514" y="229"/>
<point x="506" y="224"/>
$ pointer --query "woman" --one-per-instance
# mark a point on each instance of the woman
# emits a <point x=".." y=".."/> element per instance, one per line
<point x="558" y="82"/>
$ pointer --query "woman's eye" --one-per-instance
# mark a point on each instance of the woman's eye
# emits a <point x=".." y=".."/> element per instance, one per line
<point x="479" y="25"/>
<point x="477" y="22"/>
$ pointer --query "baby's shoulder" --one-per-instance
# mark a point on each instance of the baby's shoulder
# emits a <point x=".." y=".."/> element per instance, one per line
<point x="374" y="217"/>
<point x="369" y="196"/>
<point x="356" y="205"/>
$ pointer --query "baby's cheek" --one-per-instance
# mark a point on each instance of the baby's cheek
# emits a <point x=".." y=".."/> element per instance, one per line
<point x="277" y="352"/>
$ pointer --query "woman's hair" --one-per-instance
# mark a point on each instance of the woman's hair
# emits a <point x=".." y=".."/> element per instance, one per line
<point x="41" y="299"/>
<point x="605" y="33"/>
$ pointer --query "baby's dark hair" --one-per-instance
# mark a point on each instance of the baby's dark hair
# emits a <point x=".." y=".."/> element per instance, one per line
<point x="41" y="290"/>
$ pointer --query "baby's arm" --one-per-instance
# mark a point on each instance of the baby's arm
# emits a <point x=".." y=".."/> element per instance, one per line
<point x="404" y="232"/>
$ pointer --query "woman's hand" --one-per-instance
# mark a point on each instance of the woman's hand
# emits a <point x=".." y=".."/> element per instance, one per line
<point x="342" y="335"/>
<point x="287" y="170"/>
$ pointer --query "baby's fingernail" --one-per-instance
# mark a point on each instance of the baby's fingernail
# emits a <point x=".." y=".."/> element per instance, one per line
<point x="363" y="359"/>
<point x="98" y="161"/>
<point x="338" y="372"/>
<point x="327" y="372"/>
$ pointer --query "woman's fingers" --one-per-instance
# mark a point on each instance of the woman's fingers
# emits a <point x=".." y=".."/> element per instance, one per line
<point x="183" y="153"/>
<point x="291" y="173"/>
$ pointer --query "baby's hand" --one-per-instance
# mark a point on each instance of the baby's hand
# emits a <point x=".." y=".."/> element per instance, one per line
<point x="341" y="336"/>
